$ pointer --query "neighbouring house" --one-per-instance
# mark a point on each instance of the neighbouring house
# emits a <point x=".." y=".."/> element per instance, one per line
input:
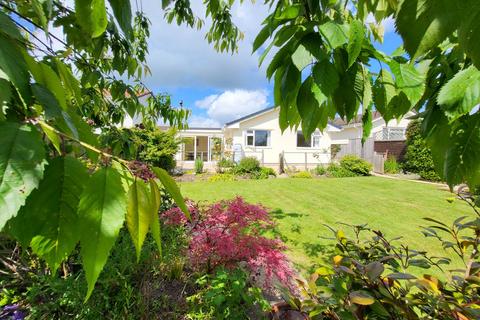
<point x="259" y="135"/>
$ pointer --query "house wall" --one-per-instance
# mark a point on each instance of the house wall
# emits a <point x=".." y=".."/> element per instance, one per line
<point x="286" y="142"/>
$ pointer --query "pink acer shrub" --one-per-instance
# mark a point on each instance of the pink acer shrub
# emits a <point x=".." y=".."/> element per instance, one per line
<point x="230" y="234"/>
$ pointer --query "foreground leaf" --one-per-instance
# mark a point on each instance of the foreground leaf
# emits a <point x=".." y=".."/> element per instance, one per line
<point x="362" y="298"/>
<point x="172" y="188"/>
<point x="49" y="218"/>
<point x="155" y="200"/>
<point x="101" y="214"/>
<point x="22" y="160"/>
<point x="139" y="212"/>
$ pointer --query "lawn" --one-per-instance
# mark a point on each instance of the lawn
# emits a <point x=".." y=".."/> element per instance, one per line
<point x="301" y="207"/>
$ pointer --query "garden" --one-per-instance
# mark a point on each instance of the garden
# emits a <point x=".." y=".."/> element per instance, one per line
<point x="93" y="224"/>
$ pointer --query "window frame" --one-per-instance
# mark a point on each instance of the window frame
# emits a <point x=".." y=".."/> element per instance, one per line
<point x="315" y="134"/>
<point x="252" y="133"/>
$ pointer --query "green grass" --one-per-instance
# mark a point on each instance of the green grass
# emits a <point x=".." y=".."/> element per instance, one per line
<point x="301" y="207"/>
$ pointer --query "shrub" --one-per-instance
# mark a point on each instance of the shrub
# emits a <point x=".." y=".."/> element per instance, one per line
<point x="320" y="170"/>
<point x="222" y="177"/>
<point x="356" y="165"/>
<point x="418" y="156"/>
<point x="336" y="171"/>
<point x="227" y="295"/>
<point x="198" y="166"/>
<point x="391" y="165"/>
<point x="224" y="165"/>
<point x="229" y="234"/>
<point x="302" y="175"/>
<point x="263" y="173"/>
<point x="153" y="146"/>
<point x="248" y="165"/>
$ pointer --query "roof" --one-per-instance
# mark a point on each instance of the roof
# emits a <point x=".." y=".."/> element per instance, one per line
<point x="339" y="122"/>
<point x="251" y="115"/>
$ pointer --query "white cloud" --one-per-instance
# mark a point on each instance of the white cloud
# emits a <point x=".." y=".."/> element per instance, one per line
<point x="203" y="122"/>
<point x="181" y="57"/>
<point x="233" y="104"/>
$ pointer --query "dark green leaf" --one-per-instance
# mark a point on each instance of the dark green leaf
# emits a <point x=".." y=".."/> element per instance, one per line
<point x="309" y="102"/>
<point x="408" y="80"/>
<point x="326" y="77"/>
<point x="334" y="33"/>
<point x="49" y="218"/>
<point x="123" y="14"/>
<point x="356" y="36"/>
<point x="13" y="65"/>
<point x="469" y="31"/>
<point x="91" y="16"/>
<point x="22" y="160"/>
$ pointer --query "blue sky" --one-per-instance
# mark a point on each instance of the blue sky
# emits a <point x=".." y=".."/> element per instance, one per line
<point x="217" y="87"/>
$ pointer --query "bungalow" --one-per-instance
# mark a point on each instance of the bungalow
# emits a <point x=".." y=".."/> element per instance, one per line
<point x="259" y="135"/>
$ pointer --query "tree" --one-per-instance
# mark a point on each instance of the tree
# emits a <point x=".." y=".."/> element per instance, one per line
<point x="418" y="156"/>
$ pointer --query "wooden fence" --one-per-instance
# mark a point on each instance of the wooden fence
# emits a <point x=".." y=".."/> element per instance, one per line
<point x="365" y="151"/>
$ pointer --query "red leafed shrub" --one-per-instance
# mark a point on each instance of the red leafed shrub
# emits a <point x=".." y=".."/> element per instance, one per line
<point x="230" y="233"/>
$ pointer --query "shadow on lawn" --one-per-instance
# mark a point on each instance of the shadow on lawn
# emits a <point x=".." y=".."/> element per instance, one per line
<point x="280" y="214"/>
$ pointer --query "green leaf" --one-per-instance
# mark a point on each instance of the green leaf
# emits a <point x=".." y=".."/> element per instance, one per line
<point x="22" y="160"/>
<point x="91" y="16"/>
<point x="138" y="213"/>
<point x="101" y="213"/>
<point x="383" y="92"/>
<point x="49" y="218"/>
<point x="309" y="101"/>
<point x="123" y="14"/>
<point x="366" y="123"/>
<point x="172" y="188"/>
<point x="462" y="160"/>
<point x="356" y="36"/>
<point x="362" y="298"/>
<point x="301" y="58"/>
<point x="374" y="270"/>
<point x="44" y="74"/>
<point x="408" y="80"/>
<point x="401" y="276"/>
<point x="290" y="12"/>
<point x="326" y="77"/>
<point x="155" y="201"/>
<point x="8" y="27"/>
<point x="462" y="93"/>
<point x="424" y="24"/>
<point x="289" y="85"/>
<point x="334" y="33"/>
<point x="469" y="31"/>
<point x="13" y="65"/>
<point x="52" y="136"/>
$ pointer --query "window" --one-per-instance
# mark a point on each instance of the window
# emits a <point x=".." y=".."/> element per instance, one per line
<point x="313" y="142"/>
<point x="257" y="138"/>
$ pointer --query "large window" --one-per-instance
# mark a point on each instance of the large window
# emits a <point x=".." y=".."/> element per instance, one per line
<point x="312" y="142"/>
<point x="257" y="138"/>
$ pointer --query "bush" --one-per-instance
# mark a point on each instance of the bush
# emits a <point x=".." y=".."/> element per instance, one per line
<point x="391" y="165"/>
<point x="155" y="147"/>
<point x="224" y="165"/>
<point x="336" y="171"/>
<point x="248" y="165"/>
<point x="263" y="173"/>
<point x="198" y="166"/>
<point x="356" y="165"/>
<point x="320" y="170"/>
<point x="230" y="234"/>
<point x="227" y="295"/>
<point x="222" y="177"/>
<point x="302" y="175"/>
<point x="418" y="157"/>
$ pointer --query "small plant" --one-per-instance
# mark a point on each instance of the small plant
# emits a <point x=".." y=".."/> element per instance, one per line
<point x="198" y="166"/>
<point x="263" y="173"/>
<point x="227" y="295"/>
<point x="222" y="177"/>
<point x="337" y="171"/>
<point x="391" y="165"/>
<point x="320" y="170"/>
<point x="356" y="165"/>
<point x="248" y="165"/>
<point x="302" y="175"/>
<point x="225" y="165"/>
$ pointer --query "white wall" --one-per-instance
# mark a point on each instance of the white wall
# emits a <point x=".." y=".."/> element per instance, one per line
<point x="286" y="142"/>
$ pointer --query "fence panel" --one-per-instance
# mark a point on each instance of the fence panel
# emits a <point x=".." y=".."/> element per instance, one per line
<point x="378" y="162"/>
